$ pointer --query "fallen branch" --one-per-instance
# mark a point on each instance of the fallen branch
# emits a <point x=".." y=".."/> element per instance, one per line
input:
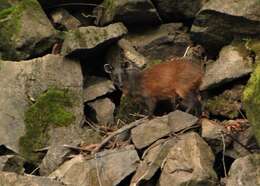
<point x="119" y="131"/>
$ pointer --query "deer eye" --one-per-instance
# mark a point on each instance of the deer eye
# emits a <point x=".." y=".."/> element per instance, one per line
<point x="126" y="64"/>
<point x="108" y="68"/>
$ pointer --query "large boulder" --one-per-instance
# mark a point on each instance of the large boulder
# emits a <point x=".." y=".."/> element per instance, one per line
<point x="189" y="162"/>
<point x="108" y="168"/>
<point x="130" y="12"/>
<point x="245" y="171"/>
<point x="25" y="31"/>
<point x="91" y="37"/>
<point x="39" y="99"/>
<point x="174" y="10"/>
<point x="219" y="21"/>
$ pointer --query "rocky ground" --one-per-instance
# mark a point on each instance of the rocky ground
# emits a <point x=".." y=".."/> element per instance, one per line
<point x="65" y="123"/>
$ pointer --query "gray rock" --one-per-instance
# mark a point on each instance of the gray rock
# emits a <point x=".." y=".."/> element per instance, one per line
<point x="219" y="21"/>
<point x="63" y="17"/>
<point x="21" y="86"/>
<point x="108" y="168"/>
<point x="12" y="163"/>
<point x="162" y="42"/>
<point x="104" y="111"/>
<point x="174" y="10"/>
<point x="211" y="130"/>
<point x="87" y="38"/>
<point x="129" y="12"/>
<point x="233" y="63"/>
<point x="179" y="120"/>
<point x="148" y="132"/>
<point x="245" y="171"/>
<point x="190" y="161"/>
<point x="96" y="87"/>
<point x="13" y="179"/>
<point x="25" y="31"/>
<point x="152" y="161"/>
<point x="247" y="139"/>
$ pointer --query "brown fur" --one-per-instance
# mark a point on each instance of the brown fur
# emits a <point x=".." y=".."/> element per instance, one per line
<point x="176" y="77"/>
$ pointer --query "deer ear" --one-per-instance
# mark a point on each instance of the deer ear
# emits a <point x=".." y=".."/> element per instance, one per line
<point x="108" y="68"/>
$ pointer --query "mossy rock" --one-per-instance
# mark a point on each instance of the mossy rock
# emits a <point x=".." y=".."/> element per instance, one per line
<point x="226" y="104"/>
<point x="51" y="109"/>
<point x="24" y="30"/>
<point x="251" y="101"/>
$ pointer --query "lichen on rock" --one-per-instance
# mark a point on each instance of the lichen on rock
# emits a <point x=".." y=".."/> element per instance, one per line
<point x="251" y="101"/>
<point x="49" y="110"/>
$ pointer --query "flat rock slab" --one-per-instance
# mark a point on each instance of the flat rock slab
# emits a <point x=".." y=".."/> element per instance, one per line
<point x="179" y="120"/>
<point x="108" y="167"/>
<point x="96" y="87"/>
<point x="245" y="171"/>
<point x="13" y="179"/>
<point x="150" y="131"/>
<point x="87" y="38"/>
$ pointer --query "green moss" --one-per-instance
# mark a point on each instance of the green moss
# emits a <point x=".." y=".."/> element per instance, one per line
<point x="226" y="104"/>
<point x="251" y="101"/>
<point x="49" y="110"/>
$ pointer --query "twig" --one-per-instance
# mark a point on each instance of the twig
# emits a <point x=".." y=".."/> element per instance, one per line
<point x="35" y="170"/>
<point x="42" y="149"/>
<point x="186" y="51"/>
<point x="127" y="127"/>
<point x="223" y="154"/>
<point x="98" y="175"/>
<point x="238" y="142"/>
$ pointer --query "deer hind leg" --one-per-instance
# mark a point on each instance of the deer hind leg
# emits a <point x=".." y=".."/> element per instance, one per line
<point x="151" y="103"/>
<point x="193" y="103"/>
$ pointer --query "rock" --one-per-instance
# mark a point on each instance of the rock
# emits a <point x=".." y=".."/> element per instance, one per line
<point x="122" y="52"/>
<point x="109" y="167"/>
<point x="247" y="139"/>
<point x="227" y="104"/>
<point x="88" y="38"/>
<point x="174" y="10"/>
<point x="190" y="161"/>
<point x="57" y="154"/>
<point x="245" y="171"/>
<point x="162" y="42"/>
<point x="211" y="129"/>
<point x="25" y="31"/>
<point x="233" y="62"/>
<point x="12" y="163"/>
<point x="104" y="111"/>
<point x="219" y="21"/>
<point x="148" y="132"/>
<point x="179" y="120"/>
<point x="130" y="12"/>
<point x="152" y="161"/>
<point x="37" y="97"/>
<point x="61" y="17"/>
<point x="96" y="87"/>
<point x="13" y="179"/>
<point x="251" y="96"/>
